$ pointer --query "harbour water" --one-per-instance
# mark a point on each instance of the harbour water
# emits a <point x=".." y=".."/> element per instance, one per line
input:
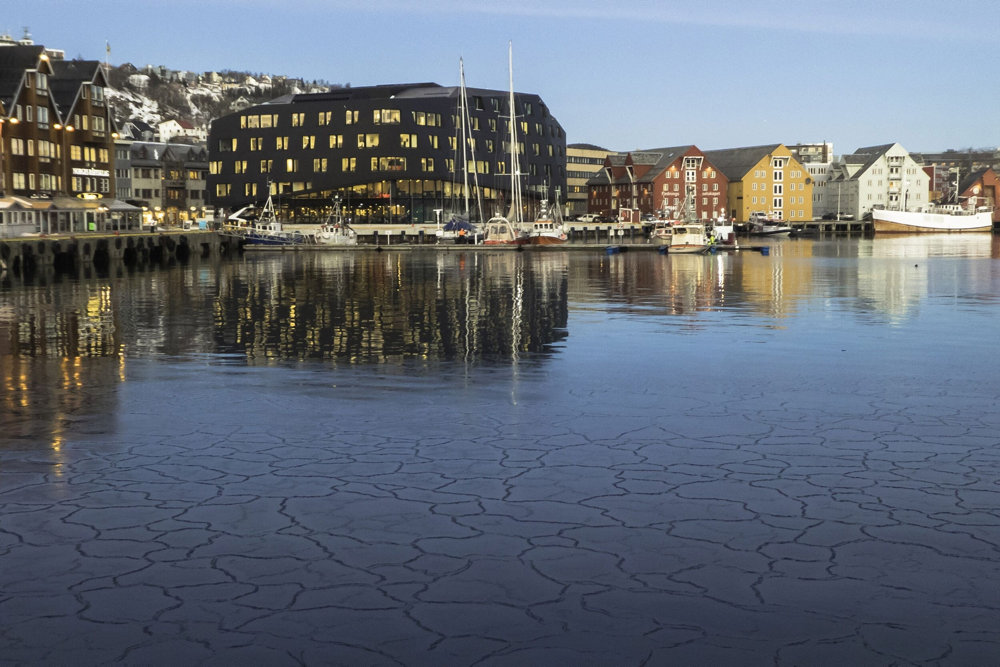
<point x="516" y="458"/>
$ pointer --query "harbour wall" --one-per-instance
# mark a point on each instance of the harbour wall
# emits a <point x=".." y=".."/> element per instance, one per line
<point x="102" y="250"/>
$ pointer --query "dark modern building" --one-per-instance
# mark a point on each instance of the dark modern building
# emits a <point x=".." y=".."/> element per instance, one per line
<point x="391" y="153"/>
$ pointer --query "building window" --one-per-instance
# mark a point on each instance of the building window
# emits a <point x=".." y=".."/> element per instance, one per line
<point x="777" y="189"/>
<point x="240" y="167"/>
<point x="388" y="164"/>
<point x="222" y="189"/>
<point x="348" y="164"/>
<point x="281" y="143"/>
<point x="298" y="119"/>
<point x="265" y="166"/>
<point x="350" y="117"/>
<point x="407" y="141"/>
<point x="427" y="164"/>
<point x="319" y="164"/>
<point x="324" y="117"/>
<point x="367" y="140"/>
<point x="385" y="116"/>
<point x="309" y="141"/>
<point x="291" y="165"/>
<point x="250" y="189"/>
<point x="336" y="141"/>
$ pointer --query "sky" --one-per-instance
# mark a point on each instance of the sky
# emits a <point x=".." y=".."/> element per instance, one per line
<point x="621" y="75"/>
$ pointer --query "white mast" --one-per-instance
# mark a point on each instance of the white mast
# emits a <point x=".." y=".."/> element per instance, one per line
<point x="463" y="112"/>
<point x="515" y="175"/>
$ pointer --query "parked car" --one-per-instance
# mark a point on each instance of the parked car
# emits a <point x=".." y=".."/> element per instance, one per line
<point x="589" y="217"/>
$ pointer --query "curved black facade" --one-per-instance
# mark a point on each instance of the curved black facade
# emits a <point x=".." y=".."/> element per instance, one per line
<point x="390" y="152"/>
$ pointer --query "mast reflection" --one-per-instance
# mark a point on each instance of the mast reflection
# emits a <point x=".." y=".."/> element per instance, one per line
<point x="392" y="306"/>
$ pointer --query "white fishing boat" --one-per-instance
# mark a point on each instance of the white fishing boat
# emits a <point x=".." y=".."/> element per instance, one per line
<point x="545" y="229"/>
<point x="689" y="239"/>
<point x="662" y="233"/>
<point x="335" y="231"/>
<point x="933" y="218"/>
<point x="264" y="230"/>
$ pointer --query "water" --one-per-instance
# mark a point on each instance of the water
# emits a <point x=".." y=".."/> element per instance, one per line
<point x="407" y="457"/>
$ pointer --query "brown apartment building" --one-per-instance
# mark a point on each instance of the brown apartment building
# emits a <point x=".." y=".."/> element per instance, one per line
<point x="679" y="181"/>
<point x="56" y="130"/>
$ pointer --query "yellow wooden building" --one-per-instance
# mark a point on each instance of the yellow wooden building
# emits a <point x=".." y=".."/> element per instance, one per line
<point x="766" y="180"/>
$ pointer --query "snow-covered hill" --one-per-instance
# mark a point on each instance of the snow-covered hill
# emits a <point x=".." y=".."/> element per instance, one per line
<point x="155" y="93"/>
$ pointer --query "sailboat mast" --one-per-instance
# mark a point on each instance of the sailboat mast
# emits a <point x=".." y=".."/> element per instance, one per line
<point x="463" y="112"/>
<point x="467" y="123"/>
<point x="515" y="178"/>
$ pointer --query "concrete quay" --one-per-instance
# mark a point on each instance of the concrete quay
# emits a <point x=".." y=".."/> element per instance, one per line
<point x="101" y="249"/>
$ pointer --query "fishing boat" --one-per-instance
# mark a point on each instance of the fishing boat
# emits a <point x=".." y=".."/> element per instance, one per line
<point x="933" y="218"/>
<point x="662" y="233"/>
<point x="545" y="229"/>
<point x="265" y="230"/>
<point x="689" y="239"/>
<point x="335" y="231"/>
<point x="761" y="225"/>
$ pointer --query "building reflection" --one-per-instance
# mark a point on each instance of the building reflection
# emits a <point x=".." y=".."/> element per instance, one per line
<point x="46" y="338"/>
<point x="392" y="306"/>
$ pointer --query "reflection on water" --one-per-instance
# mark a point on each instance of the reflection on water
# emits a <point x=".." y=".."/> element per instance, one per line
<point x="389" y="306"/>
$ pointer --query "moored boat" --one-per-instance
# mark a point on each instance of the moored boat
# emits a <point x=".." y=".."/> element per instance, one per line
<point x="689" y="239"/>
<point x="265" y="230"/>
<point x="661" y="234"/>
<point x="934" y="218"/>
<point x="545" y="230"/>
<point x="501" y="231"/>
<point x="336" y="231"/>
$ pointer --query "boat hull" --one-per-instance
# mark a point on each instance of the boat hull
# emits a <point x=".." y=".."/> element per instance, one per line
<point x="890" y="222"/>
<point x="546" y="240"/>
<point x="687" y="249"/>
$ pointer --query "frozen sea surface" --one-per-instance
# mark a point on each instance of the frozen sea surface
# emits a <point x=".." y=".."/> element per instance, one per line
<point x="507" y="459"/>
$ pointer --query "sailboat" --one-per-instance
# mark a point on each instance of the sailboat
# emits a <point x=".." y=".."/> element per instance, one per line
<point x="459" y="227"/>
<point x="508" y="230"/>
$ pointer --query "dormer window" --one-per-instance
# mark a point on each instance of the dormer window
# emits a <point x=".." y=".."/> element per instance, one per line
<point x="41" y="81"/>
<point x="97" y="93"/>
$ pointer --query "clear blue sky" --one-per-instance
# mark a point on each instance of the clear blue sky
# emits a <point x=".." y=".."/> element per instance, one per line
<point x="623" y="75"/>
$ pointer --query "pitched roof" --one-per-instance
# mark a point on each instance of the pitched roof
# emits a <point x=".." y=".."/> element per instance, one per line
<point x="736" y="162"/>
<point x="13" y="61"/>
<point x="67" y="77"/>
